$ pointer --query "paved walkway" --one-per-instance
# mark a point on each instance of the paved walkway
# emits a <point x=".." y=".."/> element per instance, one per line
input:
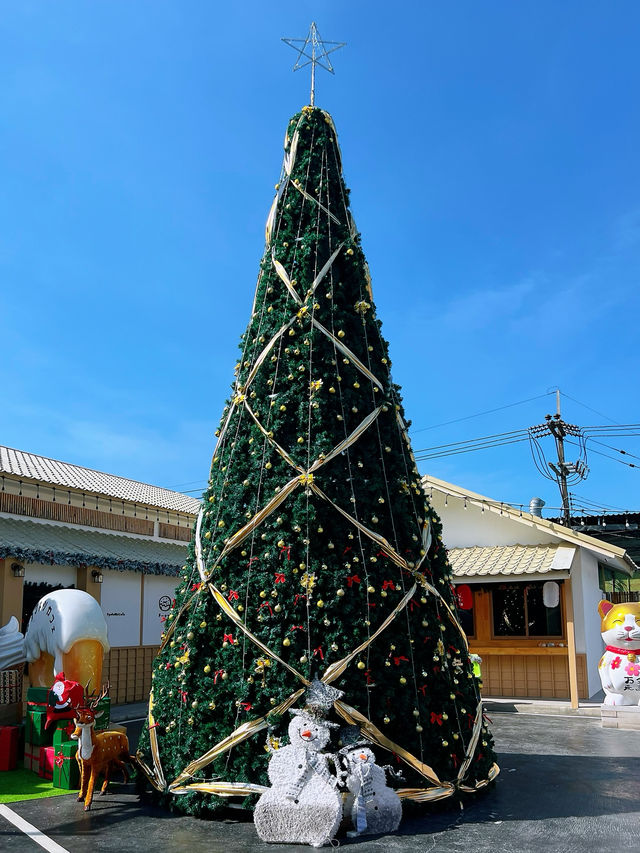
<point x="566" y="785"/>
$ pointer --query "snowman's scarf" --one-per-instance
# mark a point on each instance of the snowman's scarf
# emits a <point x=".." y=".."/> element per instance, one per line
<point x="313" y="761"/>
<point x="364" y="795"/>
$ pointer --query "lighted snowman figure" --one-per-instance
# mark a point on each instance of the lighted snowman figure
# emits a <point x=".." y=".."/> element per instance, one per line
<point x="374" y="808"/>
<point x="303" y="805"/>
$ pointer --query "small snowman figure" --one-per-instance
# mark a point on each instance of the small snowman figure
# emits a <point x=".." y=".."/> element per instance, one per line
<point x="303" y="805"/>
<point x="374" y="808"/>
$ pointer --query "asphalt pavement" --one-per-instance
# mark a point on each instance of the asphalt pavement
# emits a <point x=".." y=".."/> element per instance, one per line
<point x="566" y="784"/>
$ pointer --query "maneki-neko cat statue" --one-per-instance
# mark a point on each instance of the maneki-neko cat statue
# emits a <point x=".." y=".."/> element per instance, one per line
<point x="619" y="666"/>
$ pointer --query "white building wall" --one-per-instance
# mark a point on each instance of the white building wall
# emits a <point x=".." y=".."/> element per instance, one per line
<point x="464" y="528"/>
<point x="586" y="595"/>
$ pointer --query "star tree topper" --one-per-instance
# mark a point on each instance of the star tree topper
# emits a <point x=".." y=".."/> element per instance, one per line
<point x="318" y="55"/>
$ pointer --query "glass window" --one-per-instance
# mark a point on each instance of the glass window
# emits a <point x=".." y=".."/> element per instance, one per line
<point x="518" y="611"/>
<point x="508" y="611"/>
<point x="466" y="620"/>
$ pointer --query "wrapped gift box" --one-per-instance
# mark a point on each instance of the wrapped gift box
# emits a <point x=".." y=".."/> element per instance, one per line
<point x="31" y="756"/>
<point x="45" y="763"/>
<point x="62" y="732"/>
<point x="37" y="696"/>
<point x="8" y="747"/>
<point x="36" y="732"/>
<point x="66" y="773"/>
<point x="11" y="686"/>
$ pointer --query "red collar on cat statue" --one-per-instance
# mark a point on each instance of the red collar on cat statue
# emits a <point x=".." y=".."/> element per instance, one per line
<point x="630" y="653"/>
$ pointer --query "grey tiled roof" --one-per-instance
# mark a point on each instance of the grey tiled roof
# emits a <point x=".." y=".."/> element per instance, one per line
<point x="33" y="542"/>
<point x="502" y="560"/>
<point x="32" y="467"/>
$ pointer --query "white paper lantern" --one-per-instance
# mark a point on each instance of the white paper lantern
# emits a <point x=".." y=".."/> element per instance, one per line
<point x="551" y="594"/>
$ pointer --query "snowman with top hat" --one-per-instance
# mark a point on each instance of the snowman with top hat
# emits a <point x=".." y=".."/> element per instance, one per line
<point x="303" y="804"/>
<point x="374" y="808"/>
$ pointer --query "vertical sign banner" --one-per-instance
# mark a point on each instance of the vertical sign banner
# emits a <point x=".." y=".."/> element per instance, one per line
<point x="120" y="602"/>
<point x="159" y="591"/>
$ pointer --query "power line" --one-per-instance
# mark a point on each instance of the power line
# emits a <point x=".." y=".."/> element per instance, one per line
<point x="480" y="414"/>
<point x="605" y="507"/>
<point x="595" y="411"/>
<point x="473" y="440"/>
<point x="607" y="456"/>
<point x="617" y="450"/>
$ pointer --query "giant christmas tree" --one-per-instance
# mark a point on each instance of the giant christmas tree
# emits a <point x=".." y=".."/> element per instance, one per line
<point x="315" y="551"/>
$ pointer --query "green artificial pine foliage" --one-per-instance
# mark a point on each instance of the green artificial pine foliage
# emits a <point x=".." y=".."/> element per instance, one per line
<point x="310" y="581"/>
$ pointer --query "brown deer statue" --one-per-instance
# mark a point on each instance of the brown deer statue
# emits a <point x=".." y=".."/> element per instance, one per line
<point x="98" y="754"/>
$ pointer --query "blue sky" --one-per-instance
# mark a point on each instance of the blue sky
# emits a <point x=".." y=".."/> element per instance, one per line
<point x="492" y="153"/>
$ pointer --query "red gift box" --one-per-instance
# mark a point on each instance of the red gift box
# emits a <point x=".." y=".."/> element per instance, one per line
<point x="8" y="747"/>
<point x="47" y="757"/>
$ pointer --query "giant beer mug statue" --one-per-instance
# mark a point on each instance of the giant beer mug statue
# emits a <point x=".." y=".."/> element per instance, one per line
<point x="67" y="633"/>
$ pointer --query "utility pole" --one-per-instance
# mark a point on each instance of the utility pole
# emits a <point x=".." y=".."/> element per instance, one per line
<point x="559" y="429"/>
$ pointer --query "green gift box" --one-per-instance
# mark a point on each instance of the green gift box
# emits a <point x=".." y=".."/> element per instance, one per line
<point x="37" y="695"/>
<point x="103" y="705"/>
<point x="62" y="732"/>
<point x="36" y="732"/>
<point x="66" y="773"/>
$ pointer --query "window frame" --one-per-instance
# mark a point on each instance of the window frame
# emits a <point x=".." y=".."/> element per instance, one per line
<point x="535" y="638"/>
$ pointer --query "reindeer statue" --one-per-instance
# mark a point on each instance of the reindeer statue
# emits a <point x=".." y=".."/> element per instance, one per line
<point x="98" y="754"/>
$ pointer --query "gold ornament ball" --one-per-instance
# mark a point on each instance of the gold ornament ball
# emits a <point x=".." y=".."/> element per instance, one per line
<point x="304" y="659"/>
<point x="190" y="721"/>
<point x="172" y="644"/>
<point x="416" y="713"/>
<point x="445" y="743"/>
<point x="207" y="669"/>
<point x="456" y="736"/>
<point x="224" y="676"/>
<point x="263" y="594"/>
<point x="272" y="701"/>
<point x="319" y="603"/>
<point x="203" y="624"/>
<point x="190" y="635"/>
<point x="277" y="608"/>
<point x="212" y="705"/>
<point x="340" y="592"/>
<point x="386" y="720"/>
<point x="194" y="704"/>
<point x="371" y="589"/>
<point x="286" y="641"/>
<point x="419" y="729"/>
<point x="403" y="680"/>
<point x="176" y="664"/>
<point x="361" y="664"/>
<point x="445" y="716"/>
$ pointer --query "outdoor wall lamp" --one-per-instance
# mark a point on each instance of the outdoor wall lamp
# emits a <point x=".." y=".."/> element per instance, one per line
<point x="97" y="576"/>
<point x="18" y="570"/>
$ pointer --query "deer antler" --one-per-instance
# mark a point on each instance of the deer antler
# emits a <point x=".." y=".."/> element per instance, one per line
<point x="94" y="700"/>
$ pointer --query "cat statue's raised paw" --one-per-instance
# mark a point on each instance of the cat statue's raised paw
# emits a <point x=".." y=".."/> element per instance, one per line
<point x="619" y="666"/>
